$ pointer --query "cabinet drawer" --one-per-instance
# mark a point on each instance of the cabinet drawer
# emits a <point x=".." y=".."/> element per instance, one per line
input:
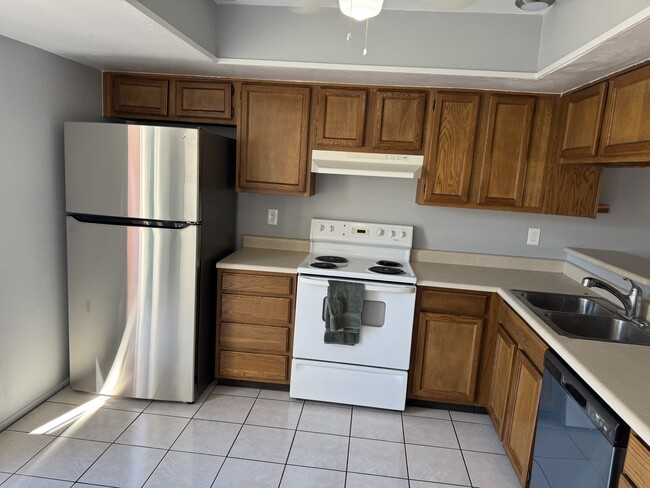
<point x="523" y="336"/>
<point x="251" y="366"/>
<point x="454" y="303"/>
<point x="637" y="462"/>
<point x="257" y="284"/>
<point x="254" y="338"/>
<point x="256" y="310"/>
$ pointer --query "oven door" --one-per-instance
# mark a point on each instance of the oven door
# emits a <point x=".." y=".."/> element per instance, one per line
<point x="386" y="318"/>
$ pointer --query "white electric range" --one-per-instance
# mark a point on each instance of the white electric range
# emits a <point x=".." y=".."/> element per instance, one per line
<point x="374" y="372"/>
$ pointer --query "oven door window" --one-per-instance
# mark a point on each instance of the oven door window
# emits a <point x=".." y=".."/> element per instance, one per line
<point x="373" y="312"/>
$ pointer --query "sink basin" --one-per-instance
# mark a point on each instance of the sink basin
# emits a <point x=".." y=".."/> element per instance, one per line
<point x="599" y="328"/>
<point x="566" y="303"/>
<point x="578" y="316"/>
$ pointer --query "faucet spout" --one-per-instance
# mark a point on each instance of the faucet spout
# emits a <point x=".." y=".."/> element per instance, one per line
<point x="631" y="302"/>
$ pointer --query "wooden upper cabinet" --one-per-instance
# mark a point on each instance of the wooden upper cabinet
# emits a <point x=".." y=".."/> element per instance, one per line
<point x="448" y="161"/>
<point x="168" y="98"/>
<point x="130" y="96"/>
<point x="369" y="120"/>
<point x="203" y="100"/>
<point x="399" y="120"/>
<point x="272" y="141"/>
<point x="447" y="357"/>
<point x="581" y="115"/>
<point x="341" y="118"/>
<point x="626" y="124"/>
<point x="505" y="154"/>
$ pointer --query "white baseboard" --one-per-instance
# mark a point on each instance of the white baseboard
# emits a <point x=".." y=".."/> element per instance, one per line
<point x="28" y="408"/>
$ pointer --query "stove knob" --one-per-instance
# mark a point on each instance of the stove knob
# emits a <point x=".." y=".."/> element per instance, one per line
<point x="380" y="232"/>
<point x="322" y="228"/>
<point x="393" y="233"/>
<point x="402" y="235"/>
<point x="331" y="228"/>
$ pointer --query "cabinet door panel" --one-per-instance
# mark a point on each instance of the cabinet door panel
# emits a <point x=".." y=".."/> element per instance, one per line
<point x="139" y="96"/>
<point x="447" y="357"/>
<point x="341" y="120"/>
<point x="273" y="139"/>
<point x="626" y="126"/>
<point x="203" y="100"/>
<point x="522" y="416"/>
<point x="505" y="156"/>
<point x="504" y="356"/>
<point x="399" y="120"/>
<point x="582" y="115"/>
<point x="637" y="462"/>
<point x="450" y="157"/>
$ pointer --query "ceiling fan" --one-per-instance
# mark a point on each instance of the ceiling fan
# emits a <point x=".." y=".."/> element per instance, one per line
<point x="362" y="10"/>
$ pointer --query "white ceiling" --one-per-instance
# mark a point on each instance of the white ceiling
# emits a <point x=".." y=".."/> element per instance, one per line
<point x="127" y="35"/>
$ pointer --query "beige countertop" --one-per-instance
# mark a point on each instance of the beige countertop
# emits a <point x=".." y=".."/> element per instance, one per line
<point x="260" y="259"/>
<point x="618" y="373"/>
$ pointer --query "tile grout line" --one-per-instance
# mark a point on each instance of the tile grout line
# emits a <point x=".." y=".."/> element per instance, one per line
<point x="347" y="459"/>
<point x="406" y="458"/>
<point x="462" y="454"/>
<point x="293" y="439"/>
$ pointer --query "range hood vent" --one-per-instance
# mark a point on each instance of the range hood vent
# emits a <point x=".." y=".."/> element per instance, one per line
<point x="366" y="164"/>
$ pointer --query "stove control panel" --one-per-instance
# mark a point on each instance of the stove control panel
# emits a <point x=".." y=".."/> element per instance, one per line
<point x="361" y="233"/>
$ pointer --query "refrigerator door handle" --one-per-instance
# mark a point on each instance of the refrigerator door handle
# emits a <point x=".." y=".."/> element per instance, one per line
<point x="102" y="219"/>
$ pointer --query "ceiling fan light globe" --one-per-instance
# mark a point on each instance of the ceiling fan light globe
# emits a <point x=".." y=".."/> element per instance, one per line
<point x="534" y="5"/>
<point x="361" y="9"/>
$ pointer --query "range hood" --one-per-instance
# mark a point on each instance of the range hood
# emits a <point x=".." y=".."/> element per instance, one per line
<point x="366" y="164"/>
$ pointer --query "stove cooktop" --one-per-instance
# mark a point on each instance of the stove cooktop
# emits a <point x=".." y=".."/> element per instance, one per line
<point x="345" y="249"/>
<point x="359" y="267"/>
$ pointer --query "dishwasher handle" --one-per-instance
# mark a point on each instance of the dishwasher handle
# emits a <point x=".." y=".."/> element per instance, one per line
<point x="574" y="393"/>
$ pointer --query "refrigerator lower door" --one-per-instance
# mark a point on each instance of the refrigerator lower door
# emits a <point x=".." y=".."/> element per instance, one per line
<point x="132" y="310"/>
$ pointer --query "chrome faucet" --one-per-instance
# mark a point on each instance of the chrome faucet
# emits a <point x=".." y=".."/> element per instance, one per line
<point x="631" y="302"/>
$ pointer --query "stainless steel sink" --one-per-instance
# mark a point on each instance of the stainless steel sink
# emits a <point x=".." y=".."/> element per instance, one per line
<point x="599" y="328"/>
<point x="567" y="303"/>
<point x="583" y="317"/>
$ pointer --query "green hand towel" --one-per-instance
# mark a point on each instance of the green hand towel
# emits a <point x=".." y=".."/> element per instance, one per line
<point x="343" y="312"/>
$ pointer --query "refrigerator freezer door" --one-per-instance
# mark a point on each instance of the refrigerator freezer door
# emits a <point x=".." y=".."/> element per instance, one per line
<point x="134" y="171"/>
<point x="132" y="302"/>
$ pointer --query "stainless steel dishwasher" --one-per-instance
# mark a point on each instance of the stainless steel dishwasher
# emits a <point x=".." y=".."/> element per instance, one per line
<point x="579" y="441"/>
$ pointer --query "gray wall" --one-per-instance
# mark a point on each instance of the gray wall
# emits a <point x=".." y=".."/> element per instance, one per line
<point x="194" y="18"/>
<point x="569" y="25"/>
<point x="388" y="200"/>
<point x="395" y="38"/>
<point x="38" y="91"/>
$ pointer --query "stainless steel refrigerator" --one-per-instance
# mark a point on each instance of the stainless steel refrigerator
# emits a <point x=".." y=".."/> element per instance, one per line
<point x="150" y="210"/>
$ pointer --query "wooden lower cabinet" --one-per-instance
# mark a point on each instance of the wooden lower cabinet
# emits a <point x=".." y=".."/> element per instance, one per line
<point x="636" y="471"/>
<point x="504" y="356"/>
<point x="515" y="388"/>
<point x="519" y="432"/>
<point x="255" y="313"/>
<point x="447" y="345"/>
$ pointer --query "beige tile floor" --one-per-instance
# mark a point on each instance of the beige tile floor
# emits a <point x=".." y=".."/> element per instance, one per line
<point x="244" y="437"/>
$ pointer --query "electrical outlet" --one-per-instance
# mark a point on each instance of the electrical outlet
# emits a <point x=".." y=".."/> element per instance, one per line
<point x="272" y="217"/>
<point x="533" y="236"/>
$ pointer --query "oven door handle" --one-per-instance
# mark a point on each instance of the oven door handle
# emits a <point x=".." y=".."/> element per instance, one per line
<point x="382" y="289"/>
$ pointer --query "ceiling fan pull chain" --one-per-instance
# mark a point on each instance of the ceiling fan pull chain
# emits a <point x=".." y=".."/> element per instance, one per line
<point x="365" y="42"/>
<point x="350" y="23"/>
